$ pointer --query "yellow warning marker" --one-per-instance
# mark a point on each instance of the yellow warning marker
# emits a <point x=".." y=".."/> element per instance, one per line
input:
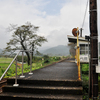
<point x="78" y="57"/>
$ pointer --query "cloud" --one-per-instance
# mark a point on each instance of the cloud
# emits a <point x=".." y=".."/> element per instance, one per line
<point x="17" y="12"/>
<point x="58" y="27"/>
<point x="55" y="24"/>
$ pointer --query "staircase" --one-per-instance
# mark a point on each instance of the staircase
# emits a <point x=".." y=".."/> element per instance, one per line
<point x="42" y="90"/>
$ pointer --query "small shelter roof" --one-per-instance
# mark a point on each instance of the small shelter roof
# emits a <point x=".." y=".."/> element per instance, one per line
<point x="73" y="39"/>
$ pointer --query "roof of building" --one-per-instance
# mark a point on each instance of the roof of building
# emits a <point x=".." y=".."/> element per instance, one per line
<point x="73" y="39"/>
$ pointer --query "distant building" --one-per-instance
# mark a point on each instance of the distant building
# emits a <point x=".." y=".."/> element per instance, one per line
<point x="84" y="47"/>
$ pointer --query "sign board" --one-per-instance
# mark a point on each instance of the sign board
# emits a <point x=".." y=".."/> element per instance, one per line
<point x="97" y="69"/>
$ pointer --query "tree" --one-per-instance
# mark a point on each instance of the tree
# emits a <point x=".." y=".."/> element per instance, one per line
<point x="24" y="37"/>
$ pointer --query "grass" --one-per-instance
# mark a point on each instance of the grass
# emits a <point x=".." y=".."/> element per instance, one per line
<point x="4" y="63"/>
<point x="85" y="78"/>
<point x="5" y="60"/>
<point x="85" y="67"/>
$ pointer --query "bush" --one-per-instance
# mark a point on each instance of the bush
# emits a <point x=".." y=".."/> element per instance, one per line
<point x="36" y="59"/>
<point x="85" y="67"/>
<point x="46" y="59"/>
<point x="57" y="58"/>
<point x="19" y="58"/>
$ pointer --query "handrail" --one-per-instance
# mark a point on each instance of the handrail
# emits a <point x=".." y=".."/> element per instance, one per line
<point x="16" y="64"/>
<point x="9" y="65"/>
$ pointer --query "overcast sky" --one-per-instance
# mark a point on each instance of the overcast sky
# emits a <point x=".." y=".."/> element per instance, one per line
<point x="56" y="18"/>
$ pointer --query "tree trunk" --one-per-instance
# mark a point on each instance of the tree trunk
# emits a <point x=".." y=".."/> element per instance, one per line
<point x="28" y="56"/>
<point x="32" y="50"/>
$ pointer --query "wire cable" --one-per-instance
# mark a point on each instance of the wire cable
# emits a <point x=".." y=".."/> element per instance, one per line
<point x="85" y="13"/>
<point x="80" y="3"/>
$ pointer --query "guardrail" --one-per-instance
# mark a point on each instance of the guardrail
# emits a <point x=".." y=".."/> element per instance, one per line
<point x="15" y="59"/>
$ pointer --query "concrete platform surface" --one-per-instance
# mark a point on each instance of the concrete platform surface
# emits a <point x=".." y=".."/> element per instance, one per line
<point x="65" y="70"/>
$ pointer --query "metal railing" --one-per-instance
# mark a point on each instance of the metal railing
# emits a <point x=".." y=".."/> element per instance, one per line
<point x="15" y="59"/>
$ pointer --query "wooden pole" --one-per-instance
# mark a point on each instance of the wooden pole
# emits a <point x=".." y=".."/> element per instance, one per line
<point x="93" y="86"/>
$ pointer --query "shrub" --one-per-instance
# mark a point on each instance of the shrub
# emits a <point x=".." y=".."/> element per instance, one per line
<point x="46" y="59"/>
<point x="19" y="58"/>
<point x="36" y="59"/>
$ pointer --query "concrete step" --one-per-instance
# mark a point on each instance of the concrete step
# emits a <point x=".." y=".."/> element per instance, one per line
<point x="23" y="96"/>
<point x="56" y="82"/>
<point x="68" y="83"/>
<point x="2" y="84"/>
<point x="43" y="90"/>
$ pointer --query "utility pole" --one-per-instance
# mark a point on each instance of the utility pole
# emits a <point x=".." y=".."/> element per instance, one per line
<point x="93" y="86"/>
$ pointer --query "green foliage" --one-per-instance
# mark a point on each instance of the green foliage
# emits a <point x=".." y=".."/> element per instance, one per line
<point x="24" y="37"/>
<point x="38" y="63"/>
<point x="46" y="59"/>
<point x="24" y="33"/>
<point x="5" y="60"/>
<point x="57" y="58"/>
<point x="85" y="97"/>
<point x="85" y="78"/>
<point x="99" y="76"/>
<point x="19" y="58"/>
<point x="85" y="67"/>
<point x="36" y="59"/>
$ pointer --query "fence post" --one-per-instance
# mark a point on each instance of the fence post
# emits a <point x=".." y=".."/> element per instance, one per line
<point x="22" y="76"/>
<point x="16" y="75"/>
<point x="30" y="63"/>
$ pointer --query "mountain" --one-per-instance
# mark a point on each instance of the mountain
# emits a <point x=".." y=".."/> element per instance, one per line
<point x="59" y="50"/>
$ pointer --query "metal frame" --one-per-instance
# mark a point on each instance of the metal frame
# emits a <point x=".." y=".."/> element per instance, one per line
<point x="22" y="76"/>
<point x="15" y="58"/>
<point x="30" y="64"/>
